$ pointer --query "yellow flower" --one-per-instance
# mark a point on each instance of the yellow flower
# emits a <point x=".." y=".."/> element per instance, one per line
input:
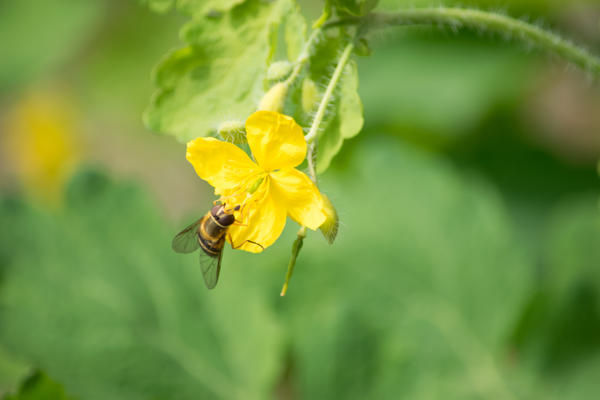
<point x="267" y="190"/>
<point x="40" y="143"/>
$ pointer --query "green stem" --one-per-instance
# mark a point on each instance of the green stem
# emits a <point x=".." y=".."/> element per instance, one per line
<point x="310" y="156"/>
<point x="295" y="251"/>
<point x="486" y="21"/>
<point x="327" y="96"/>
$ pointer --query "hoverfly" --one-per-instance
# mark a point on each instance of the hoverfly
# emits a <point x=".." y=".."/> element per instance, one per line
<point x="208" y="233"/>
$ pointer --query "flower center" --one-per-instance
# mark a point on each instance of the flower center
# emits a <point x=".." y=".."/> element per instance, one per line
<point x="244" y="192"/>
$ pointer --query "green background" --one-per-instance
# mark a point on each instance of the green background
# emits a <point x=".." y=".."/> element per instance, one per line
<point x="466" y="267"/>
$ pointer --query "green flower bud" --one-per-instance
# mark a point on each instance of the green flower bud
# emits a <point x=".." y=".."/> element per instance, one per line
<point x="363" y="48"/>
<point x="310" y="95"/>
<point x="279" y="70"/>
<point x="233" y="132"/>
<point x="330" y="227"/>
<point x="274" y="99"/>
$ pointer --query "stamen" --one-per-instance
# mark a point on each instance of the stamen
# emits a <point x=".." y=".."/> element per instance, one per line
<point x="251" y="198"/>
<point x="243" y="187"/>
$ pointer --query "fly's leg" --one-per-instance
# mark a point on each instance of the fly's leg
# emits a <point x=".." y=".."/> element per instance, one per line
<point x="241" y="244"/>
<point x="241" y="210"/>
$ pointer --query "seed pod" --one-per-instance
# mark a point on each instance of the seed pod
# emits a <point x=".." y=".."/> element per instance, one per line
<point x="330" y="227"/>
<point x="274" y="99"/>
<point x="279" y="70"/>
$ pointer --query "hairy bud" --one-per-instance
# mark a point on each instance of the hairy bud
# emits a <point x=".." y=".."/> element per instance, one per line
<point x="330" y="227"/>
<point x="274" y="99"/>
<point x="279" y="70"/>
<point x="233" y="132"/>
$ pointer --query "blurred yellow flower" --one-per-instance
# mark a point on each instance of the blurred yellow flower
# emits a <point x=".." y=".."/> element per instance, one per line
<point x="40" y="144"/>
<point x="267" y="190"/>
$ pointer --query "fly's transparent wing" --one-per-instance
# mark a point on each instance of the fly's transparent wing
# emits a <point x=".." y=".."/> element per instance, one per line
<point x="211" y="267"/>
<point x="186" y="241"/>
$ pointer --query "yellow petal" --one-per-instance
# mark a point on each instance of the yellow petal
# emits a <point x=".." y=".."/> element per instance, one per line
<point x="261" y="221"/>
<point x="300" y="196"/>
<point x="276" y="140"/>
<point x="223" y="165"/>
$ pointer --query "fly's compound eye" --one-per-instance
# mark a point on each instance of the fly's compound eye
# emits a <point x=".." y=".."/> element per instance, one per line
<point x="221" y="216"/>
<point x="215" y="211"/>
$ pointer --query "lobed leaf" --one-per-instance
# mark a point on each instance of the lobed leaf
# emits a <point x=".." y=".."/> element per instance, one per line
<point x="295" y="33"/>
<point x="220" y="74"/>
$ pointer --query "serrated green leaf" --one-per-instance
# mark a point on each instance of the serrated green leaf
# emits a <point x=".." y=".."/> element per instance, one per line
<point x="39" y="386"/>
<point x="347" y="119"/>
<point x="220" y="73"/>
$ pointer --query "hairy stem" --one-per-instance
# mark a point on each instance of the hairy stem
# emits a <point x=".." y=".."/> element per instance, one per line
<point x="482" y="20"/>
<point x="295" y="251"/>
<point x="310" y="156"/>
<point x="327" y="96"/>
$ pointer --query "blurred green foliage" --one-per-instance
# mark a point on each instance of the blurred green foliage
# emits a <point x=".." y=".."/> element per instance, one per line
<point x="468" y="270"/>
<point x="39" y="387"/>
<point x="537" y="6"/>
<point x="420" y="297"/>
<point x="41" y="35"/>
<point x="193" y="7"/>
<point x="404" y="88"/>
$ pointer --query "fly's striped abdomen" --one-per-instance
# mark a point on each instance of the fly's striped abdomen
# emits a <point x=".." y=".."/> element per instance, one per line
<point x="211" y="235"/>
